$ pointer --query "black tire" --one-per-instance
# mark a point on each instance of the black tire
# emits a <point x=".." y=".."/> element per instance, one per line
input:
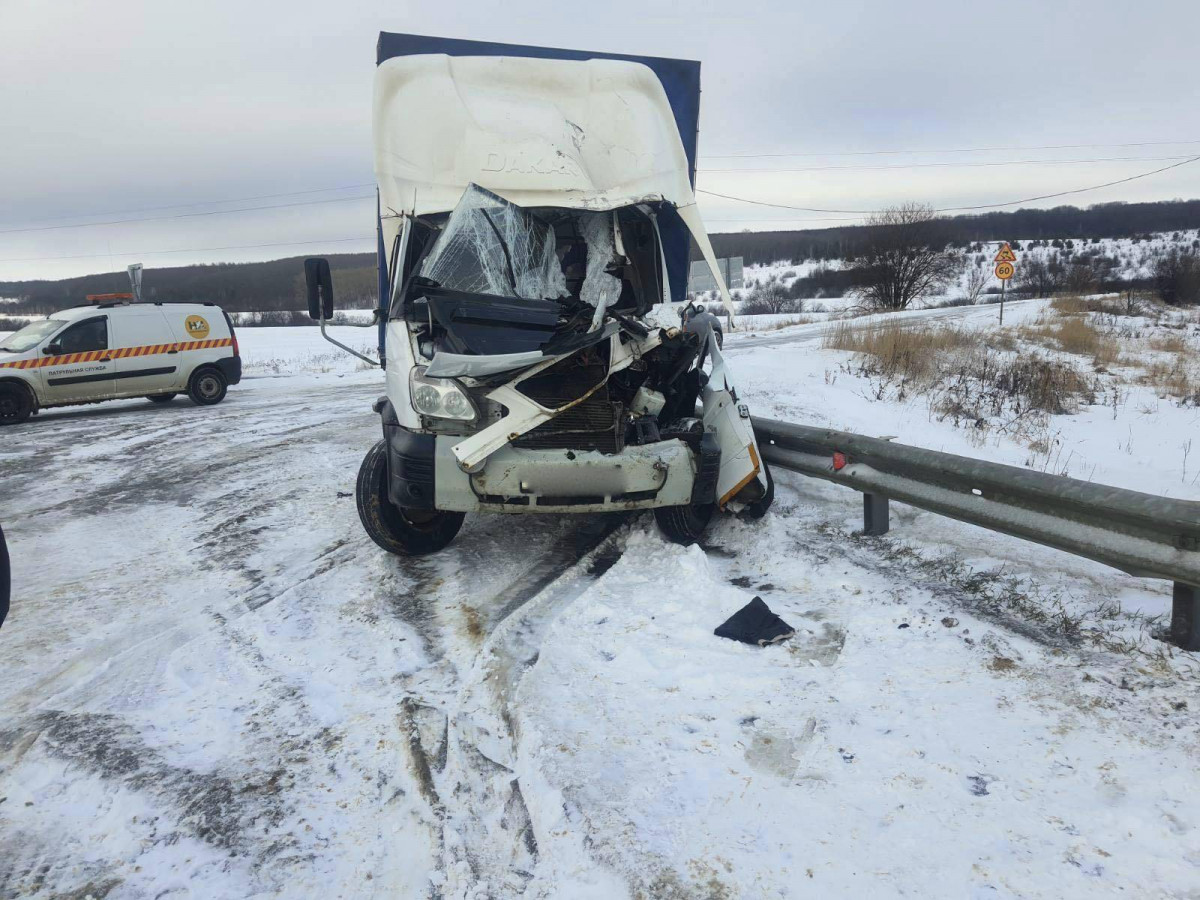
<point x="5" y="578"/>
<point x="720" y="338"/>
<point x="684" y="524"/>
<point x="759" y="507"/>
<point x="207" y="386"/>
<point x="405" y="532"/>
<point x="162" y="398"/>
<point x="16" y="404"/>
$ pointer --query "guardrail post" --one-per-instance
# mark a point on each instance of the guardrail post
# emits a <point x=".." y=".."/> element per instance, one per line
<point x="876" y="518"/>
<point x="1185" y="616"/>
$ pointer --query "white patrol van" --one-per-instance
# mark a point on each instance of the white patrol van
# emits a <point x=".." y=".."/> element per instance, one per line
<point x="106" y="351"/>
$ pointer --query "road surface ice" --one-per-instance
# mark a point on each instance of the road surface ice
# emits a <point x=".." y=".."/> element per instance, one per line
<point x="216" y="686"/>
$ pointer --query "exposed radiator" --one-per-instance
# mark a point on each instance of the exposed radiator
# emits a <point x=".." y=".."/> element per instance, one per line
<point x="596" y="423"/>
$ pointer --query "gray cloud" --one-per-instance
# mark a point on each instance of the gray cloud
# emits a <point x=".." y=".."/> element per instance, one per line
<point x="126" y="105"/>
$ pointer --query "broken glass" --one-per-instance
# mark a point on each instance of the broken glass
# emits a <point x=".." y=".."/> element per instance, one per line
<point x="599" y="288"/>
<point x="491" y="246"/>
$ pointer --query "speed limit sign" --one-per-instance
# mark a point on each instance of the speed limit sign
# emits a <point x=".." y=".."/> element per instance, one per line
<point x="1004" y="271"/>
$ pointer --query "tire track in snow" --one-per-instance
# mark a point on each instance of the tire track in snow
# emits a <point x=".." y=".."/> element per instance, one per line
<point x="461" y="740"/>
<point x="249" y="490"/>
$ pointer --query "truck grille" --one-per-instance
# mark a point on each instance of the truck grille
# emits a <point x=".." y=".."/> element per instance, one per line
<point x="593" y="424"/>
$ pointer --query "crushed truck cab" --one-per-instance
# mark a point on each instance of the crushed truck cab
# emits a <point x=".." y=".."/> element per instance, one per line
<point x="536" y="221"/>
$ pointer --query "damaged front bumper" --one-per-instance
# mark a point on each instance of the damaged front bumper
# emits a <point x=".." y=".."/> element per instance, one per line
<point x="424" y="473"/>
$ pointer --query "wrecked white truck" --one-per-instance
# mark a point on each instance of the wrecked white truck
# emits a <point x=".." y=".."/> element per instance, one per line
<point x="536" y="219"/>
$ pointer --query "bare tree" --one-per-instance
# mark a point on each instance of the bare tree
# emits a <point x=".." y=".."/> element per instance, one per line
<point x="771" y="297"/>
<point x="904" y="257"/>
<point x="974" y="283"/>
<point x="1177" y="277"/>
<point x="1040" y="277"/>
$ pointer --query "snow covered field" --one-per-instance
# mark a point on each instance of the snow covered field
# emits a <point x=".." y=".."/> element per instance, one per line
<point x="217" y="686"/>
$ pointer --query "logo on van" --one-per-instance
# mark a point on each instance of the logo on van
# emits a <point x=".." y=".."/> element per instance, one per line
<point x="196" y="326"/>
<point x="529" y="164"/>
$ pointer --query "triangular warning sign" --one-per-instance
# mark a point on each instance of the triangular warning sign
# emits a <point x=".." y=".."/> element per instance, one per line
<point x="1006" y="254"/>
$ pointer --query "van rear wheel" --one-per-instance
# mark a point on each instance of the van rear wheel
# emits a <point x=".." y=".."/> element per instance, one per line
<point x="207" y="387"/>
<point x="405" y="532"/>
<point x="16" y="404"/>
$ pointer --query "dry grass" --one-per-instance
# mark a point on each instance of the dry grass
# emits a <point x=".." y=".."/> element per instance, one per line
<point x="1177" y="378"/>
<point x="1171" y="343"/>
<point x="1074" y="334"/>
<point x="965" y="373"/>
<point x="756" y="327"/>
<point x="1069" y="305"/>
<point x="996" y="380"/>
<point x="1101" y="338"/>
<point x="982" y="387"/>
<point x="900" y="350"/>
<point x="1109" y="304"/>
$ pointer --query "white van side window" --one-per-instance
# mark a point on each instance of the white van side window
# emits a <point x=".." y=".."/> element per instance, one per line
<point x="82" y="337"/>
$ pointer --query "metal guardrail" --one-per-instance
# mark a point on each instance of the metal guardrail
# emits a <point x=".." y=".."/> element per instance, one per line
<point x="1144" y="535"/>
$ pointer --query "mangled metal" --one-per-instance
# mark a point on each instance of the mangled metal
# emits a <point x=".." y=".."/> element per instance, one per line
<point x="552" y="321"/>
<point x="535" y="213"/>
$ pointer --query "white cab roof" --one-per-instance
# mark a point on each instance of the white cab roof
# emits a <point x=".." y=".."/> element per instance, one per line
<point x="596" y="134"/>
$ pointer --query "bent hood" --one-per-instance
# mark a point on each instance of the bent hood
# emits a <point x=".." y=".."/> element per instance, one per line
<point x="592" y="134"/>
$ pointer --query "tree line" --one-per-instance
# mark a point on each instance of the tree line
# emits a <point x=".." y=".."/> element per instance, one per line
<point x="1103" y="220"/>
<point x="279" y="284"/>
<point x="236" y="287"/>
<point x="904" y="255"/>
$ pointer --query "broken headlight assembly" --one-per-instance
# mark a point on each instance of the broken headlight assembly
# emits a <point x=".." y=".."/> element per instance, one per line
<point x="439" y="398"/>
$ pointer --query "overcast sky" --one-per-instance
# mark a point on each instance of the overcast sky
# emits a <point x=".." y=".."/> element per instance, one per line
<point x="110" y="108"/>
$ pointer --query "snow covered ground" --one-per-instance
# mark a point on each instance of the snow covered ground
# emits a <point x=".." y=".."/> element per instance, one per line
<point x="217" y="686"/>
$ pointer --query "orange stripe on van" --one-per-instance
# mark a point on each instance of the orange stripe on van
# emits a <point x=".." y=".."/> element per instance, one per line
<point x="68" y="359"/>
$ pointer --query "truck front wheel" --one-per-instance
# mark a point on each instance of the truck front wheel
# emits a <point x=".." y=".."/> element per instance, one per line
<point x="406" y="532"/>
<point x="684" y="524"/>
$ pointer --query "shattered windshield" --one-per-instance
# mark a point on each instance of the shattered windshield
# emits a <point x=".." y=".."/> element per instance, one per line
<point x="599" y="289"/>
<point x="490" y="246"/>
<point x="31" y="335"/>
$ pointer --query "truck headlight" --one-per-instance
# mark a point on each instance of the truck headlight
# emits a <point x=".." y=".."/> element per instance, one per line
<point x="440" y="398"/>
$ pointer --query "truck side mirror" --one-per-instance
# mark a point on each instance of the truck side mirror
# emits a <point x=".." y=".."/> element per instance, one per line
<point x="320" y="288"/>
<point x="53" y="349"/>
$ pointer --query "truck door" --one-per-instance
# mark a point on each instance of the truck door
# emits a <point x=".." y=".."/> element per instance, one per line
<point x="146" y="358"/>
<point x="78" y="363"/>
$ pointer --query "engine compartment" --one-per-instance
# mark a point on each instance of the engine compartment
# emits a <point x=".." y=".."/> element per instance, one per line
<point x="496" y="290"/>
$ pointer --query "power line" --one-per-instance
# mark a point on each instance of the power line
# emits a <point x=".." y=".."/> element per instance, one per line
<point x="953" y="165"/>
<point x="125" y="212"/>
<point x="851" y="212"/>
<point x="953" y="150"/>
<point x="213" y="212"/>
<point x="707" y="220"/>
<point x="725" y="156"/>
<point x="190" y="249"/>
<point x="1094" y="187"/>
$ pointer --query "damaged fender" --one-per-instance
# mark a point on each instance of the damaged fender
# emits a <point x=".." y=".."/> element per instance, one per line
<point x="729" y="420"/>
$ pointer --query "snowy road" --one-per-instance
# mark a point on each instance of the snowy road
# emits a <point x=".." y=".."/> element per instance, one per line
<point x="211" y="676"/>
<point x="216" y="686"/>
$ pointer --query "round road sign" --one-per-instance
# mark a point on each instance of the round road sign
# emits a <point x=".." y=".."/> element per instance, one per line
<point x="1004" y="271"/>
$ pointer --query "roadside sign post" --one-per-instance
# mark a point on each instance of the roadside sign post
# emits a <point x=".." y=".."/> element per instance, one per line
<point x="1004" y="271"/>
